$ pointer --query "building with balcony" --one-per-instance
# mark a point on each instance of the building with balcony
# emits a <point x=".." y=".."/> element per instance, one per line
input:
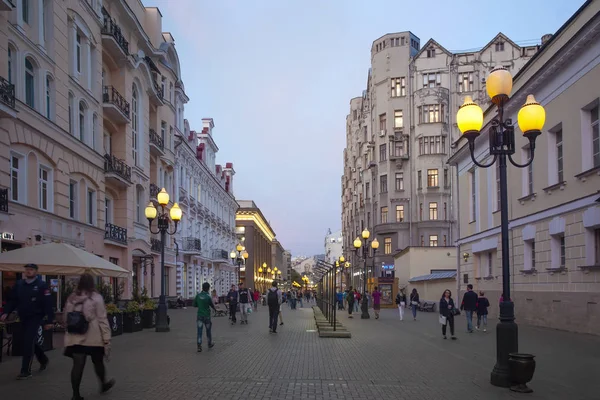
<point x="204" y="191"/>
<point x="554" y="204"/>
<point x="334" y="247"/>
<point x="90" y="98"/>
<point x="396" y="180"/>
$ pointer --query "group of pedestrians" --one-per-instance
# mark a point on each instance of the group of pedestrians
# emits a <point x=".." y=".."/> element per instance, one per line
<point x="414" y="303"/>
<point x="471" y="303"/>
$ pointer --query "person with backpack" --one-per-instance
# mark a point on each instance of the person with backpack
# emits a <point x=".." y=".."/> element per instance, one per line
<point x="87" y="333"/>
<point x="32" y="300"/>
<point x="350" y="299"/>
<point x="274" y="303"/>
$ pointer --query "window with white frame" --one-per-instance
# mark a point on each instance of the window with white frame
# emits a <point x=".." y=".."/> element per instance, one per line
<point x="163" y="131"/>
<point x="91" y="207"/>
<point x="94" y="131"/>
<point x="398" y="119"/>
<point x="486" y="264"/>
<point x="558" y="251"/>
<point x="139" y="203"/>
<point x="78" y="52"/>
<point x="432" y="80"/>
<point x="81" y="125"/>
<point x="433" y="211"/>
<point x="71" y="102"/>
<point x="11" y="63"/>
<point x="30" y="71"/>
<point x="49" y="94"/>
<point x="45" y="188"/>
<point x="465" y="82"/>
<point x="431" y="113"/>
<point x="18" y="178"/>
<point x="25" y="11"/>
<point x="399" y="213"/>
<point x="558" y="140"/>
<point x="399" y="87"/>
<point x="73" y="196"/>
<point x="433" y="240"/>
<point x="399" y="182"/>
<point x="530" y="178"/>
<point x="595" y="137"/>
<point x="108" y="210"/>
<point x="529" y="255"/>
<point x="134" y="126"/>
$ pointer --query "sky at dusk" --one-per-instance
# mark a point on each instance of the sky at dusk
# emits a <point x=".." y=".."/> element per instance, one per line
<point x="277" y="76"/>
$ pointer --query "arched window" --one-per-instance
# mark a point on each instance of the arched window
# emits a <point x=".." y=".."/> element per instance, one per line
<point x="71" y="100"/>
<point x="94" y="130"/>
<point x="82" y="112"/>
<point x="11" y="63"/>
<point x="29" y="83"/>
<point x="49" y="90"/>
<point x="134" y="125"/>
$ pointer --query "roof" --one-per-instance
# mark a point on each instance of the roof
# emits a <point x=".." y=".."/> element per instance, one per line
<point x="434" y="276"/>
<point x="427" y="45"/>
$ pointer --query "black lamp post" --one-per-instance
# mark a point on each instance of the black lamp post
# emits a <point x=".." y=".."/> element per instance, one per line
<point x="364" y="243"/>
<point x="164" y="220"/>
<point x="239" y="258"/>
<point x="531" y="120"/>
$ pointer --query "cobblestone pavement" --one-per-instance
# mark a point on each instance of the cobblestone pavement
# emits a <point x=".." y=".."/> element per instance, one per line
<point x="384" y="359"/>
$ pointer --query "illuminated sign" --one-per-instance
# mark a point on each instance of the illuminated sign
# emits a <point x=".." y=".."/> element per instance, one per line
<point x="8" y="236"/>
<point x="387" y="266"/>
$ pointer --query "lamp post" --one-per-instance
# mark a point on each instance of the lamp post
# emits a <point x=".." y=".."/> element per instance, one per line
<point x="531" y="120"/>
<point x="358" y="243"/>
<point x="240" y="258"/>
<point x="164" y="220"/>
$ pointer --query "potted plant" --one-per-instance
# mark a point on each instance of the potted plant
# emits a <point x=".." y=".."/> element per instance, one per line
<point x="132" y="317"/>
<point x="149" y="314"/>
<point x="115" y="319"/>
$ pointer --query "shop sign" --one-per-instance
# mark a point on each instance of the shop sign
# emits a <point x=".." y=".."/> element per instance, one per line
<point x="8" y="236"/>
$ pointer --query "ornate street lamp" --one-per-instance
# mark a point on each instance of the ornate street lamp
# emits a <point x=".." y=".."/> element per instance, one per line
<point x="364" y="244"/>
<point x="240" y="258"/>
<point x="531" y="120"/>
<point x="164" y="220"/>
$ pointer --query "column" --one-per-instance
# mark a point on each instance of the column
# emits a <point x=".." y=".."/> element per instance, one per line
<point x="41" y="22"/>
<point x="87" y="67"/>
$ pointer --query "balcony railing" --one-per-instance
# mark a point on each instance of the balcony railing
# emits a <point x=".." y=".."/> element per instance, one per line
<point x="111" y="28"/>
<point x="112" y="96"/>
<point x="155" y="245"/>
<point x="156" y="140"/>
<point x="117" y="166"/>
<point x="191" y="244"/>
<point x="7" y="93"/>
<point x="4" y="200"/>
<point x="221" y="254"/>
<point x="154" y="190"/>
<point x="115" y="233"/>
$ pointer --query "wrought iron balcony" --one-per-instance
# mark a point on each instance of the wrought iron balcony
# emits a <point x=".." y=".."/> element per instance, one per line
<point x="113" y="30"/>
<point x="155" y="245"/>
<point x="157" y="141"/>
<point x="7" y="93"/>
<point x="118" y="167"/>
<point x="192" y="244"/>
<point x="220" y="254"/>
<point x="154" y="190"/>
<point x="115" y="233"/>
<point x="112" y="97"/>
<point x="4" y="200"/>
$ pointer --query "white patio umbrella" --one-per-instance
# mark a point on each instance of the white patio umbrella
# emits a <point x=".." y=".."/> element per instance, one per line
<point x="60" y="259"/>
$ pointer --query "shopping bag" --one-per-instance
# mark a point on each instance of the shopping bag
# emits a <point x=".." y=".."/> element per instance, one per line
<point x="443" y="320"/>
<point x="249" y="310"/>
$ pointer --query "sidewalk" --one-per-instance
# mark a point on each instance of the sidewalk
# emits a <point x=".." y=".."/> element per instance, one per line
<point x="384" y="359"/>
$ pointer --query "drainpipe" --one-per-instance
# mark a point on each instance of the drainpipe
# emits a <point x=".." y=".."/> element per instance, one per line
<point x="411" y="151"/>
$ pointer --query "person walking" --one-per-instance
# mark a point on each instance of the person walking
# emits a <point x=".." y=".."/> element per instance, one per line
<point x="340" y="300"/>
<point x="357" y="297"/>
<point x="255" y="298"/>
<point x="300" y="299"/>
<point x="204" y="302"/>
<point x="376" y="295"/>
<point x="32" y="300"/>
<point x="87" y="333"/>
<point x="350" y="299"/>
<point x="414" y="303"/>
<point x="401" y="302"/>
<point x="482" y="310"/>
<point x="469" y="304"/>
<point x="245" y="297"/>
<point x="274" y="303"/>
<point x="232" y="296"/>
<point x="447" y="310"/>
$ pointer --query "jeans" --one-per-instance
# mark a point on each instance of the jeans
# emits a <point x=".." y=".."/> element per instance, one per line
<point x="482" y="317"/>
<point x="273" y="313"/>
<point x="244" y="311"/>
<point x="232" y="311"/>
<point x="301" y="303"/>
<point x="469" y="314"/>
<point x="31" y="327"/>
<point x="356" y="306"/>
<point x="449" y="321"/>
<point x="204" y="322"/>
<point x="413" y="307"/>
<point x="350" y="307"/>
<point x="401" y="310"/>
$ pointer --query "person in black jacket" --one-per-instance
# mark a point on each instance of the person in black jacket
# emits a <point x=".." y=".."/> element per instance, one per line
<point x="32" y="300"/>
<point x="469" y="304"/>
<point x="414" y="303"/>
<point x="482" y="310"/>
<point x="447" y="310"/>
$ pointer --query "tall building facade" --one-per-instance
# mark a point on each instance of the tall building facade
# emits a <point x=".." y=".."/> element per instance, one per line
<point x="333" y="246"/>
<point x="396" y="181"/>
<point x="554" y="204"/>
<point x="91" y="109"/>
<point x="204" y="190"/>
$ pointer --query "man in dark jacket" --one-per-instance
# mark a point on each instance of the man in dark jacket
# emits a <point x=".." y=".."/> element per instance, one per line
<point x="232" y="297"/>
<point x="469" y="304"/>
<point x="32" y="300"/>
<point x="245" y="298"/>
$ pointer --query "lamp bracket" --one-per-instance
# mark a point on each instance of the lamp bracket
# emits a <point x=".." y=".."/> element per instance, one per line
<point x="502" y="137"/>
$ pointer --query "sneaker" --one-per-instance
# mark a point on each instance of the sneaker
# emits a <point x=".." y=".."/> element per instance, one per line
<point x="281" y="324"/>
<point x="211" y="345"/>
<point x="477" y="328"/>
<point x="107" y="386"/>
<point x="23" y="376"/>
<point x="484" y="329"/>
<point x="445" y="337"/>
<point x="44" y="366"/>
<point x="199" y="348"/>
<point x="453" y="338"/>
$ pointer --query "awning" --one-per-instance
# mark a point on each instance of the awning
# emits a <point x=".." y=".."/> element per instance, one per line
<point x="434" y="276"/>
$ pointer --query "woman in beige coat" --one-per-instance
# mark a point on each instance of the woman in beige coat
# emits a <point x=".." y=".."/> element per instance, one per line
<point x="95" y="342"/>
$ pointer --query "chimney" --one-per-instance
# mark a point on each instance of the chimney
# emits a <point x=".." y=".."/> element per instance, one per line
<point x="207" y="124"/>
<point x="200" y="152"/>
<point x="229" y="173"/>
<point x="218" y="169"/>
<point x="546" y="37"/>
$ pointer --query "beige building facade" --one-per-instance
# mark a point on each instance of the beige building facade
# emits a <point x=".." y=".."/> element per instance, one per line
<point x="554" y="209"/>
<point x="98" y="97"/>
<point x="396" y="180"/>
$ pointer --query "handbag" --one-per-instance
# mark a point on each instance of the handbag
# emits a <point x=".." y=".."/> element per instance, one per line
<point x="414" y="303"/>
<point x="76" y="322"/>
<point x="455" y="311"/>
<point x="443" y="320"/>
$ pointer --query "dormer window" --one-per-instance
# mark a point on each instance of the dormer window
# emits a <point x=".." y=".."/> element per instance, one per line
<point x="499" y="46"/>
<point x="431" y="52"/>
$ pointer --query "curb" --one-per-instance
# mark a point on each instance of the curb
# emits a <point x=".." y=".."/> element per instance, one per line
<point x="326" y="329"/>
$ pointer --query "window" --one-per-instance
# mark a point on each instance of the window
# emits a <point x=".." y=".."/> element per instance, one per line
<point x="420" y="211"/>
<point x="382" y="152"/>
<point x="499" y="46"/>
<point x="48" y="97"/>
<point x="431" y="52"/>
<point x="445" y="212"/>
<point x="81" y="126"/>
<point x="398" y="119"/>
<point x="422" y="241"/>
<point x="163" y="85"/>
<point x="73" y="199"/>
<point x="444" y="240"/>
<point x="432" y="178"/>
<point x="18" y="184"/>
<point x="419" y="183"/>
<point x="25" y="11"/>
<point x="91" y="205"/>
<point x="432" y="80"/>
<point x="134" y="127"/>
<point x="563" y="252"/>
<point x="367" y="190"/>
<point x="465" y="82"/>
<point x="383" y="184"/>
<point x="473" y="196"/>
<point x="399" y="181"/>
<point x="559" y="155"/>
<point x="387" y="245"/>
<point x="163" y="131"/>
<point x="490" y="263"/>
<point x="384" y="215"/>
<point x="431" y="113"/>
<point x="71" y="100"/>
<point x="398" y="150"/>
<point x="78" y="51"/>
<point x="532" y="249"/>
<point x="108" y="213"/>
<point x="44" y="188"/>
<point x="170" y="92"/>
<point x="398" y="87"/>
<point x="432" y="145"/>
<point x="433" y="211"/>
<point x="11" y="61"/>
<point x="139" y="203"/>
<point x="446" y="181"/>
<point x="595" y="137"/>
<point x="530" y="178"/>
<point x="433" y="240"/>
<point x="399" y="213"/>
<point x="94" y="129"/>
<point x="382" y="122"/>
<point x="29" y="83"/>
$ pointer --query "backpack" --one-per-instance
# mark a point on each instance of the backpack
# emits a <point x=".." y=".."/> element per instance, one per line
<point x="76" y="322"/>
<point x="272" y="298"/>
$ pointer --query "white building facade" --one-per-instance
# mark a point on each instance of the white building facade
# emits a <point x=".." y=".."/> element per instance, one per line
<point x="334" y="246"/>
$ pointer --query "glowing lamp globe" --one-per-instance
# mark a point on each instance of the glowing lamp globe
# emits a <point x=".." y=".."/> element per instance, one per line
<point x="150" y="211"/>
<point x="532" y="116"/>
<point x="163" y="197"/>
<point x="342" y="259"/>
<point x="375" y="244"/>
<point x="469" y="117"/>
<point x="499" y="84"/>
<point x="239" y="247"/>
<point x="366" y="234"/>
<point x="176" y="213"/>
<point x="357" y="243"/>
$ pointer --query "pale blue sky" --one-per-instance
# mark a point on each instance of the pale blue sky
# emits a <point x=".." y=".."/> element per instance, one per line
<point x="277" y="77"/>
